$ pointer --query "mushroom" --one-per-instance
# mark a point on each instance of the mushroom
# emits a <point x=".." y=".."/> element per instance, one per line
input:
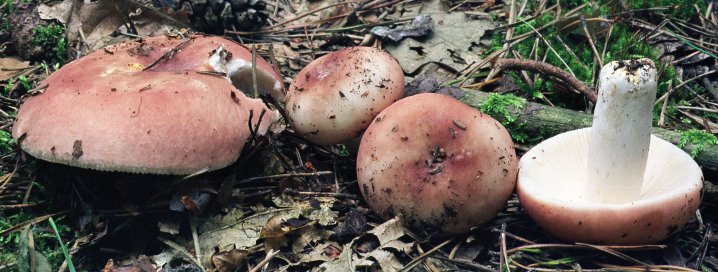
<point x="335" y="97"/>
<point x="235" y="61"/>
<point x="437" y="163"/>
<point x="613" y="183"/>
<point x="155" y="105"/>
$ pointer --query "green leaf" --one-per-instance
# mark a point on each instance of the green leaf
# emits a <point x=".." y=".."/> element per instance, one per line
<point x="23" y="254"/>
<point x="68" y="259"/>
<point x="29" y="259"/>
<point x="561" y="261"/>
<point x="532" y="250"/>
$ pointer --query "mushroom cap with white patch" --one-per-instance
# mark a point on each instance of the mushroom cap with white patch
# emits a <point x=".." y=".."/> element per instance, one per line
<point x="111" y="111"/>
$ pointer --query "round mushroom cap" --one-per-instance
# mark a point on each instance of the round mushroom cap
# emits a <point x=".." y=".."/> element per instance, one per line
<point x="106" y="112"/>
<point x="335" y="97"/>
<point x="551" y="181"/>
<point x="436" y="162"/>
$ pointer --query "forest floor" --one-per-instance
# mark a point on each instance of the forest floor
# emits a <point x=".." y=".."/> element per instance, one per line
<point x="290" y="205"/>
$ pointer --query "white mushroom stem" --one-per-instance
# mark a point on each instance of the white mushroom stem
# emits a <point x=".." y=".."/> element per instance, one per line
<point x="621" y="131"/>
<point x="239" y="71"/>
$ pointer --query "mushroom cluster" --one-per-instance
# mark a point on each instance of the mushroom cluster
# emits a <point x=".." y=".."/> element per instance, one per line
<point x="428" y="158"/>
<point x="437" y="163"/>
<point x="158" y="105"/>
<point x="168" y="105"/>
<point x="613" y="183"/>
<point x="335" y="97"/>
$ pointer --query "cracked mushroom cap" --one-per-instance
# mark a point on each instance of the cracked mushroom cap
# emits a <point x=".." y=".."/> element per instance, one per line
<point x="436" y="162"/>
<point x="553" y="173"/>
<point x="335" y="97"/>
<point x="105" y="112"/>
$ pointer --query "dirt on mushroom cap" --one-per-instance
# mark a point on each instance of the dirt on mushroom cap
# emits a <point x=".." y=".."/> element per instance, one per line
<point x="335" y="97"/>
<point x="169" y="119"/>
<point x="439" y="163"/>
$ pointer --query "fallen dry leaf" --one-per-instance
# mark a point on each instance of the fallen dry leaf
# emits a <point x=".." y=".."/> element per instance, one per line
<point x="227" y="232"/>
<point x="454" y="41"/>
<point x="141" y="264"/>
<point x="388" y="235"/>
<point x="11" y="67"/>
<point x="323" y="10"/>
<point x="419" y="27"/>
<point x="229" y="261"/>
<point x="275" y="228"/>
<point x="92" y="23"/>
<point x="307" y="236"/>
<point x="317" y="209"/>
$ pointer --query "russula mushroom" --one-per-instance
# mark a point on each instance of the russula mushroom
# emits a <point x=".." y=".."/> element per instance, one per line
<point x="436" y="162"/>
<point x="159" y="105"/>
<point x="613" y="183"/>
<point x="335" y="97"/>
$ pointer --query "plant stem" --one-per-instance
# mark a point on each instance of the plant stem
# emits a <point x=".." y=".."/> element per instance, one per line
<point x="68" y="258"/>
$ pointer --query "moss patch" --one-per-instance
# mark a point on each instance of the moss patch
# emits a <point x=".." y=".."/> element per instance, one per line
<point x="698" y="139"/>
<point x="501" y="106"/>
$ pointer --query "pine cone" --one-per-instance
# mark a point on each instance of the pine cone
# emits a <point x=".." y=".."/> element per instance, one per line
<point x="215" y="16"/>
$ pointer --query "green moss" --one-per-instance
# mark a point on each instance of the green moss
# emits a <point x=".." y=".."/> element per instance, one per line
<point x="699" y="139"/>
<point x="60" y="50"/>
<point x="44" y="238"/>
<point x="49" y="34"/>
<point x="6" y="141"/>
<point x="341" y="149"/>
<point x="7" y="6"/>
<point x="570" y="50"/>
<point x="682" y="9"/>
<point x="498" y="104"/>
<point x="503" y="107"/>
<point x="8" y="86"/>
<point x="4" y="24"/>
<point x="51" y="37"/>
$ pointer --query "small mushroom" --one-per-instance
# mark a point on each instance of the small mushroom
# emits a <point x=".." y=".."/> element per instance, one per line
<point x="155" y="105"/>
<point x="613" y="183"/>
<point x="335" y="97"/>
<point x="235" y="61"/>
<point x="436" y="162"/>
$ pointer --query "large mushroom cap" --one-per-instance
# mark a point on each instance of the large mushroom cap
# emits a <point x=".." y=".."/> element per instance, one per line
<point x="105" y="112"/>
<point x="553" y="173"/>
<point x="335" y="97"/>
<point x="436" y="162"/>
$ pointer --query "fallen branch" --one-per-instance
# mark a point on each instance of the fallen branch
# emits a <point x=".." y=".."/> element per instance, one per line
<point x="544" y="121"/>
<point x="268" y="258"/>
<point x="549" y="70"/>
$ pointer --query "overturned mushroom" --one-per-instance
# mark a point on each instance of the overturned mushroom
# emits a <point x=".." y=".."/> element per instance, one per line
<point x="437" y="163"/>
<point x="158" y="105"/>
<point x="613" y="183"/>
<point x="335" y="97"/>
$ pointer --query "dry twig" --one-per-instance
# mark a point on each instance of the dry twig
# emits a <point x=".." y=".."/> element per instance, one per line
<point x="549" y="70"/>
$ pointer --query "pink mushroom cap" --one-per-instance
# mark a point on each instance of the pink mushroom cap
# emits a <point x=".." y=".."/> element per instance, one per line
<point x="550" y="183"/>
<point x="335" y="97"/>
<point x="105" y="112"/>
<point x="437" y="163"/>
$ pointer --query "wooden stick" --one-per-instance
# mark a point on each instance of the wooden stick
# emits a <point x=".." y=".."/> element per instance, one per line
<point x="549" y="70"/>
